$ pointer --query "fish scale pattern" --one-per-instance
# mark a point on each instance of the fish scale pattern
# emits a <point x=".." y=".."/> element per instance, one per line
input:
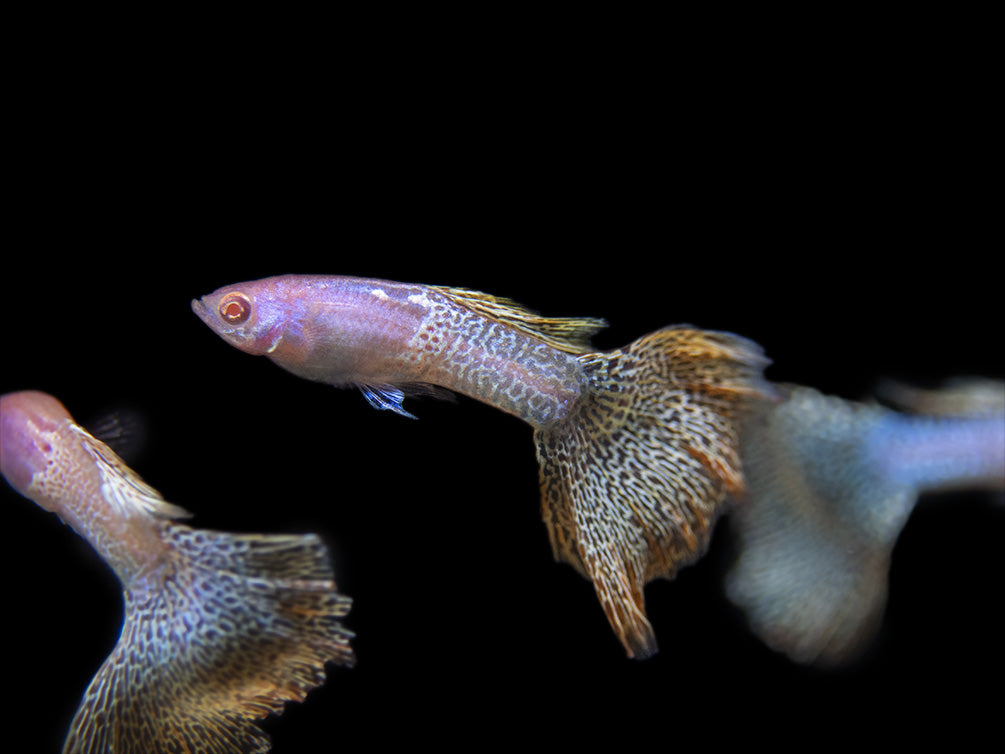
<point x="502" y="359"/>
<point x="213" y="640"/>
<point x="634" y="481"/>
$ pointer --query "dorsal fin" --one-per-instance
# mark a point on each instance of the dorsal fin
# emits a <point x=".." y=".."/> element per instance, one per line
<point x="570" y="334"/>
<point x="122" y="429"/>
<point x="123" y="487"/>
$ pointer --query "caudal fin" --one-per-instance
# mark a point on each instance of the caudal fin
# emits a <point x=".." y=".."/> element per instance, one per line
<point x="633" y="481"/>
<point x="234" y="627"/>
<point x="831" y="485"/>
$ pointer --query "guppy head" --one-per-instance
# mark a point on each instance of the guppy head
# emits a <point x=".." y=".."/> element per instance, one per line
<point x="250" y="316"/>
<point x="29" y="421"/>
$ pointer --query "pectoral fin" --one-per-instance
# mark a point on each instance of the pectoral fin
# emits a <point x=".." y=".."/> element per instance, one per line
<point x="386" y="398"/>
<point x="391" y="397"/>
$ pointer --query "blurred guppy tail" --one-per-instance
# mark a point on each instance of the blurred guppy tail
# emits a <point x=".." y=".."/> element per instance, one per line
<point x="831" y="485"/>
<point x="235" y="626"/>
<point x="633" y="481"/>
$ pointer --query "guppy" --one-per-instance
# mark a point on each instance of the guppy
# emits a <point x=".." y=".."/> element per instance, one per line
<point x="637" y="447"/>
<point x="220" y="629"/>
<point x="832" y="483"/>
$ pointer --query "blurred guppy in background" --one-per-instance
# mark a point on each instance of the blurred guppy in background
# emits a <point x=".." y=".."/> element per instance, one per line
<point x="220" y="629"/>
<point x="831" y="485"/>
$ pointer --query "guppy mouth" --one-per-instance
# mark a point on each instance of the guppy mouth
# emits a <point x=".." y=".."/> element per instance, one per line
<point x="205" y="312"/>
<point x="200" y="309"/>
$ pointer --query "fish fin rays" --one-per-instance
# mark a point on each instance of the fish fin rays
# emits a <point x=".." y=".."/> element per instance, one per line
<point x="569" y="334"/>
<point x="238" y="626"/>
<point x="386" y="398"/>
<point x="392" y="397"/>
<point x="121" y="486"/>
<point x="123" y="430"/>
<point x="633" y="482"/>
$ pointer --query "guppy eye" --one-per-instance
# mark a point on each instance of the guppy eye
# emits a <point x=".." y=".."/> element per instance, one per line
<point x="235" y="308"/>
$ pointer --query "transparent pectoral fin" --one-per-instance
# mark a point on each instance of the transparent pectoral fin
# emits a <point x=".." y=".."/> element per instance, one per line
<point x="391" y="397"/>
<point x="386" y="398"/>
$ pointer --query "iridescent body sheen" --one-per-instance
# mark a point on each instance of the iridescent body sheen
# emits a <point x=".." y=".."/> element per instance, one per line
<point x="831" y="485"/>
<point x="220" y="629"/>
<point x="637" y="447"/>
<point x="379" y="335"/>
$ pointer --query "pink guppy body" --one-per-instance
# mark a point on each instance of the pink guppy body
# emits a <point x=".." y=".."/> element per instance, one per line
<point x="390" y="338"/>
<point x="219" y="629"/>
<point x="636" y="447"/>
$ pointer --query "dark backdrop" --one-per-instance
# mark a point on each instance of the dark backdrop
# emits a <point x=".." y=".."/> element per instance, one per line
<point x="843" y="228"/>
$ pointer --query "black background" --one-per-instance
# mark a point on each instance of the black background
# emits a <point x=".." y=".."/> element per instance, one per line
<point x="836" y="212"/>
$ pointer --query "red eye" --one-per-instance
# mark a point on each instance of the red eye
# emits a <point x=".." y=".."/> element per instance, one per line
<point x="235" y="308"/>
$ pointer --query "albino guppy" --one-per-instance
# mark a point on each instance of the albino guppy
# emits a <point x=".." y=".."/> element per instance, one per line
<point x="831" y="486"/>
<point x="637" y="447"/>
<point x="220" y="629"/>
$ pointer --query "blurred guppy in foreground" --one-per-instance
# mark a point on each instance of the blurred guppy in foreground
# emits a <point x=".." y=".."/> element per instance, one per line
<point x="831" y="485"/>
<point x="220" y="629"/>
<point x="637" y="447"/>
